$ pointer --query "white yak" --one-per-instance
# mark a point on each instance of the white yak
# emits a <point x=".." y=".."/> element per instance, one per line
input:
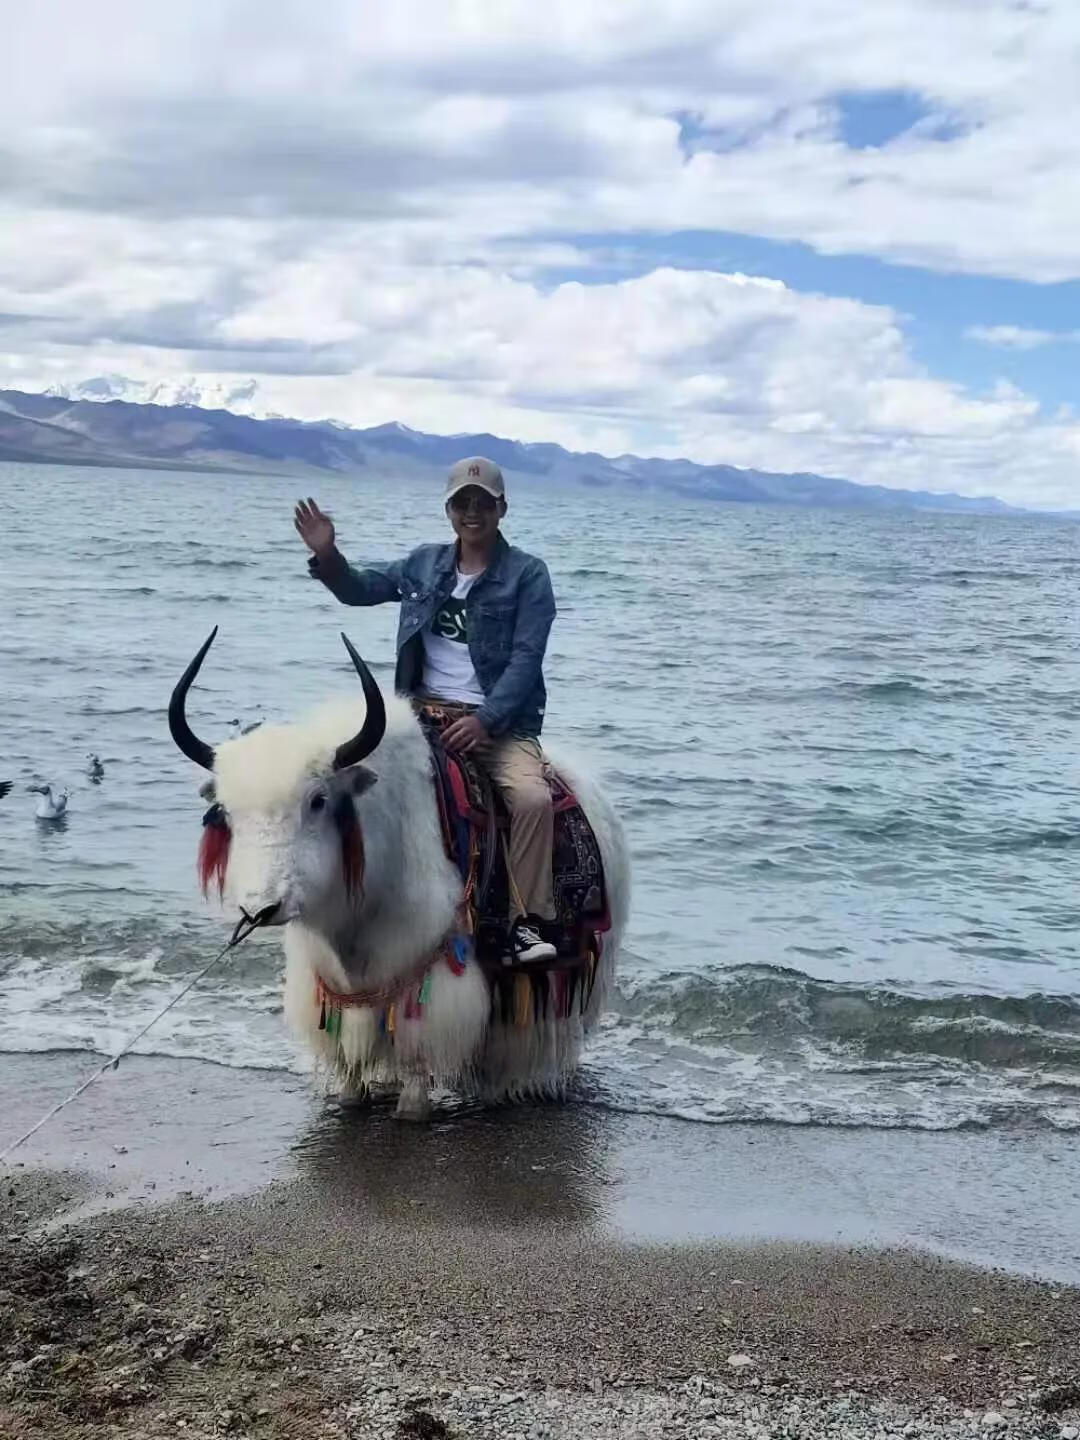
<point x="329" y="827"/>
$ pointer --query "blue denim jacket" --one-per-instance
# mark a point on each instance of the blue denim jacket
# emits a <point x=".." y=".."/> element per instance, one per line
<point x="510" y="611"/>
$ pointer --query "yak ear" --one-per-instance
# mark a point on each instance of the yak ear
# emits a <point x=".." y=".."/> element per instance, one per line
<point x="357" y="778"/>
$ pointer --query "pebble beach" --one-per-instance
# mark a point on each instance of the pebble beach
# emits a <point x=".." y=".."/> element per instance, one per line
<point x="255" y="1263"/>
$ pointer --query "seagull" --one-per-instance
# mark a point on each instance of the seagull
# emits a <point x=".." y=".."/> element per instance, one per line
<point x="236" y="730"/>
<point x="96" y="770"/>
<point x="50" y="806"/>
<point x="5" y="788"/>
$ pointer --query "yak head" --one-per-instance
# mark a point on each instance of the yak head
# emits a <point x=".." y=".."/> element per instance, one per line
<point x="283" y="835"/>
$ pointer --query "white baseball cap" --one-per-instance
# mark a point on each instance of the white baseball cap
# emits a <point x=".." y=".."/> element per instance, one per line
<point x="476" y="471"/>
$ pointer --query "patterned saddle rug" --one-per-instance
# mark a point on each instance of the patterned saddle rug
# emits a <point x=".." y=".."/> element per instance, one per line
<point x="475" y="825"/>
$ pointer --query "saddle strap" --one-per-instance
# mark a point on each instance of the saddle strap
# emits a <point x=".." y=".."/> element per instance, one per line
<point x="392" y="990"/>
<point x="458" y="834"/>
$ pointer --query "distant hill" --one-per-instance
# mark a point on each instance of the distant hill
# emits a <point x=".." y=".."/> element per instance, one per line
<point x="56" y="429"/>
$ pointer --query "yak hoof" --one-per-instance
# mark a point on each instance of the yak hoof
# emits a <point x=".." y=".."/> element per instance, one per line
<point x="351" y="1094"/>
<point x="414" y="1102"/>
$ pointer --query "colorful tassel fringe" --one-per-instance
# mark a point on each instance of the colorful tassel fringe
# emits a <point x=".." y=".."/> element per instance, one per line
<point x="519" y="1000"/>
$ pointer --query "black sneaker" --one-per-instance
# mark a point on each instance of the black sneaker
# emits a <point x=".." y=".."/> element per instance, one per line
<point x="527" y="945"/>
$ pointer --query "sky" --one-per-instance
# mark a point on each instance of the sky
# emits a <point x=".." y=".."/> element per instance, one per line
<point x="828" y="236"/>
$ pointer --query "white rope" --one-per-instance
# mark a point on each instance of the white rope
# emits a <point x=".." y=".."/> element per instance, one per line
<point x="114" y="1060"/>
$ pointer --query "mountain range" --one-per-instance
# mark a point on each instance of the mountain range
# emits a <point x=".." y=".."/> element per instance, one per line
<point x="87" y="426"/>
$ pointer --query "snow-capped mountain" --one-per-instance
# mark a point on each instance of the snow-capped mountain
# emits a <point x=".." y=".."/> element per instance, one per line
<point x="238" y="396"/>
<point x="181" y="425"/>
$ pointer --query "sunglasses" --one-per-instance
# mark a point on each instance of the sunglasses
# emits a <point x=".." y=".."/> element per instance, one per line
<point x="472" y="500"/>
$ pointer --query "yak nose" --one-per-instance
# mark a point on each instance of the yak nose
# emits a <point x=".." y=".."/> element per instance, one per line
<point x="266" y="916"/>
<point x="259" y="908"/>
<point x="269" y="916"/>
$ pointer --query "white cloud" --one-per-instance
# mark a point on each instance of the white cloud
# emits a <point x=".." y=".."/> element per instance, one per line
<point x="519" y="120"/>
<point x="1017" y="337"/>
<point x="356" y="204"/>
<point x="719" y="367"/>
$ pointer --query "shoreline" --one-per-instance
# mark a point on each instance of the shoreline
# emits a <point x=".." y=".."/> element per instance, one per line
<point x="200" y="1251"/>
<point x="159" y="1129"/>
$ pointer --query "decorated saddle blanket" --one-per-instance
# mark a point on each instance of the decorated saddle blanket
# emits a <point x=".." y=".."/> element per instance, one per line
<point x="475" y="825"/>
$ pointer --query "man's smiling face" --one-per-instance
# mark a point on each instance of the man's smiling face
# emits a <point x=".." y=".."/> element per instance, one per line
<point x="475" y="515"/>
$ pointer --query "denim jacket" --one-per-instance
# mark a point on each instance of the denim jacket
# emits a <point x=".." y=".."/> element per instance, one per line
<point x="510" y="610"/>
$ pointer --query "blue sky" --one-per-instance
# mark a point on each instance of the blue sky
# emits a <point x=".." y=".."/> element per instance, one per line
<point x="871" y="119"/>
<point x="939" y="307"/>
<point x="819" y="237"/>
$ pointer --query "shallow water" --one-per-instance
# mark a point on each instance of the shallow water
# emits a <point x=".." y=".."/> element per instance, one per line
<point x="843" y="745"/>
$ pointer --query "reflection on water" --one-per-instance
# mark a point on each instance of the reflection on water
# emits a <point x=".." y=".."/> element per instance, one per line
<point x="537" y="1165"/>
<point x="49" y="829"/>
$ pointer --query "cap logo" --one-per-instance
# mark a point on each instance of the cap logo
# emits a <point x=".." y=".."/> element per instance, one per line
<point x="474" y="470"/>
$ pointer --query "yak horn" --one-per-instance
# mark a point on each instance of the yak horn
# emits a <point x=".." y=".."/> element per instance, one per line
<point x="374" y="727"/>
<point x="186" y="739"/>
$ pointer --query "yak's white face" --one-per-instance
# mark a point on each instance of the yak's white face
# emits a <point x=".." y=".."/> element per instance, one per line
<point x="304" y="857"/>
<point x="298" y="831"/>
<point x="286" y="829"/>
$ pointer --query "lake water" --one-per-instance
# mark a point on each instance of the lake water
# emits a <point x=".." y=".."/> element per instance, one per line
<point x="844" y="747"/>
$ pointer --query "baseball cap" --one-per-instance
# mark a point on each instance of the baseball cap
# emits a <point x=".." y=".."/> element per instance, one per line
<point x="476" y="471"/>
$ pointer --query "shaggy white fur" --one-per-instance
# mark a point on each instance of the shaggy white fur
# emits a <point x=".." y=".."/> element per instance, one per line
<point x="266" y="768"/>
<point x="279" y="791"/>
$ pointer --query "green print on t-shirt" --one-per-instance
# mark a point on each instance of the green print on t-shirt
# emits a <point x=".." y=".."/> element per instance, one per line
<point x="450" y="623"/>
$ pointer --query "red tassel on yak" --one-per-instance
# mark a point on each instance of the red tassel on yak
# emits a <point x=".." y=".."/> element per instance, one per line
<point x="213" y="858"/>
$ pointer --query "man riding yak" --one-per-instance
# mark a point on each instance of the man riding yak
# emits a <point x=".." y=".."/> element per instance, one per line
<point x="420" y="949"/>
<point x="475" y="618"/>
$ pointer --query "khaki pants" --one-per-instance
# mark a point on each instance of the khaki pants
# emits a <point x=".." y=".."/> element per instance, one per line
<point x="517" y="767"/>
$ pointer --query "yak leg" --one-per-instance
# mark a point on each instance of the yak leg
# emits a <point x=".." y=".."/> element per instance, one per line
<point x="414" y="1102"/>
<point x="352" y="1092"/>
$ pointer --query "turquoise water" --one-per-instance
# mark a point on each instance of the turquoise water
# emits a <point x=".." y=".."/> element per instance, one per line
<point x="843" y="745"/>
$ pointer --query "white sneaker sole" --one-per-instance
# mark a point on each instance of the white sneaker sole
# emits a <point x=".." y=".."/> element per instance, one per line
<point x="531" y="955"/>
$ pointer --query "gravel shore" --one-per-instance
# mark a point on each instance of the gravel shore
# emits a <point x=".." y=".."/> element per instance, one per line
<point x="287" y="1315"/>
<point x="194" y="1251"/>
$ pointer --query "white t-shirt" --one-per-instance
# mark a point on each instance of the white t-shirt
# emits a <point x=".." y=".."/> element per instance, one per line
<point x="448" y="667"/>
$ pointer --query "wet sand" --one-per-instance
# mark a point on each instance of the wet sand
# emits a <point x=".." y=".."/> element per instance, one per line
<point x="159" y="1129"/>
<point x="193" y="1244"/>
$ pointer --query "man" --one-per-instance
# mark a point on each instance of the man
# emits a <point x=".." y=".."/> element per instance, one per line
<point x="474" y="626"/>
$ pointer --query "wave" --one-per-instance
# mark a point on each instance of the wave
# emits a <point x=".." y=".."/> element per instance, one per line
<point x="297" y="1066"/>
<point x="752" y="1044"/>
<point x="1052" y="837"/>
<point x="88" y="707"/>
<point x="766" y="1008"/>
<point x="887" y="690"/>
<point x="122" y="940"/>
<point x="963" y="574"/>
<point x="810" y="1111"/>
<point x="772" y="1007"/>
<point x="896" y="691"/>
